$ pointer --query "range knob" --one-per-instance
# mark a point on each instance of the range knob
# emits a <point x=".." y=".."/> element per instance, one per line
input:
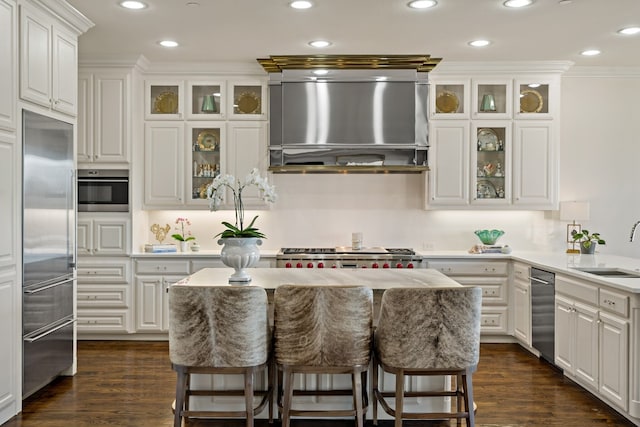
<point x="288" y="265"/>
<point x="364" y="266"/>
<point x="334" y="266"/>
<point x="399" y="265"/>
<point x="375" y="265"/>
<point x="299" y="265"/>
<point x="386" y="265"/>
<point x="410" y="265"/>
<point x="309" y="265"/>
<point x="320" y="265"/>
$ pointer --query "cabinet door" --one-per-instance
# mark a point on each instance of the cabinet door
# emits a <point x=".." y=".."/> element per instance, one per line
<point x="247" y="100"/>
<point x="564" y="334"/>
<point x="492" y="99"/>
<point x="206" y="100"/>
<point x="8" y="200"/>
<point x="9" y="365"/>
<point x="491" y="163"/>
<point x="164" y="164"/>
<point x="35" y="57"/>
<point x="534" y="172"/>
<point x="84" y="237"/>
<point x="450" y="100"/>
<point x="8" y="56"/>
<point x="522" y="315"/>
<point x="449" y="163"/>
<point x="111" y="118"/>
<point x="110" y="237"/>
<point x="246" y="149"/>
<point x="64" y="67"/>
<point x="85" y="119"/>
<point x="614" y="356"/>
<point x="149" y="303"/>
<point x="163" y="100"/>
<point x="586" y="342"/>
<point x="204" y="159"/>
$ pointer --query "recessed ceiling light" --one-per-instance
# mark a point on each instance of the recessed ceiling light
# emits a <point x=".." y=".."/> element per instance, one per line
<point x="192" y="4"/>
<point x="422" y="4"/>
<point x="320" y="43"/>
<point x="479" y="43"/>
<point x="131" y="4"/>
<point x="321" y="72"/>
<point x="168" y="43"/>
<point x="301" y="4"/>
<point x="517" y="3"/>
<point x="565" y="1"/>
<point x="629" y="31"/>
<point x="590" y="52"/>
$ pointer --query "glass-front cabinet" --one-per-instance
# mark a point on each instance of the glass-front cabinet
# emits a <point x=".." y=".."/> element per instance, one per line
<point x="163" y="100"/>
<point x="491" y="158"/>
<point x="206" y="100"/>
<point x="492" y="99"/>
<point x="534" y="98"/>
<point x="450" y="99"/>
<point x="247" y="100"/>
<point x="205" y="158"/>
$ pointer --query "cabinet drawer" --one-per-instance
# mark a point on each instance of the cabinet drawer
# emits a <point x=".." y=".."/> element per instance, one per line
<point x="162" y="266"/>
<point x="494" y="320"/>
<point x="575" y="289"/>
<point x="95" y="272"/>
<point x="494" y="290"/>
<point x="115" y="296"/>
<point x="470" y="268"/>
<point x="614" y="302"/>
<point x="103" y="321"/>
<point x="521" y="272"/>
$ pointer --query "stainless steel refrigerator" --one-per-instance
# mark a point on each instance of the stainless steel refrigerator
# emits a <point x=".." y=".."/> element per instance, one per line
<point x="48" y="254"/>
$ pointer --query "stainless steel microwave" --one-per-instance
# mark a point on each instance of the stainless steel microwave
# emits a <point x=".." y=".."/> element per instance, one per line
<point x="103" y="190"/>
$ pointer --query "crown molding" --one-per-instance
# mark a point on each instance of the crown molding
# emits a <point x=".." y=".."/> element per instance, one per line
<point x="604" y="72"/>
<point x="67" y="13"/>
<point x="501" y="67"/>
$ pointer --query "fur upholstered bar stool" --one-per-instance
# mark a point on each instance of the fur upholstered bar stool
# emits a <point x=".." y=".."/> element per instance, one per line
<point x="323" y="329"/>
<point x="428" y="331"/>
<point x="220" y="330"/>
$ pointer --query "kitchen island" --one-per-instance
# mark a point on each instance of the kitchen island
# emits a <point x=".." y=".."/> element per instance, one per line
<point x="270" y="279"/>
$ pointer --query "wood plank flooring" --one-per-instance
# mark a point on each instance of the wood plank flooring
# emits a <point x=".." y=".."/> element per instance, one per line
<point x="130" y="383"/>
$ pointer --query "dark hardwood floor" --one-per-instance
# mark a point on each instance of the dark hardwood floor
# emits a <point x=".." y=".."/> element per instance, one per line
<point x="126" y="383"/>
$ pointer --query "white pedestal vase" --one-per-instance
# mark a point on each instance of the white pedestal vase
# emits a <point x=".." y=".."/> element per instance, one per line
<point x="240" y="253"/>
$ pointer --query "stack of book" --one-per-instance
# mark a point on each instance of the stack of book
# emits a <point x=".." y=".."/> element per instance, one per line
<point x="491" y="249"/>
<point x="160" y="247"/>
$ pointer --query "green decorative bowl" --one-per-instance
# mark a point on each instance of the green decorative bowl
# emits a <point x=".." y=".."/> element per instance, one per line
<point x="489" y="237"/>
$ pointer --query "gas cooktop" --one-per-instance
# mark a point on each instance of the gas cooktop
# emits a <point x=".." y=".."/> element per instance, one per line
<point x="347" y="250"/>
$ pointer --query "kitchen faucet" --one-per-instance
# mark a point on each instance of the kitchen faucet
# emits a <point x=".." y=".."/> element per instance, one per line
<point x="633" y="231"/>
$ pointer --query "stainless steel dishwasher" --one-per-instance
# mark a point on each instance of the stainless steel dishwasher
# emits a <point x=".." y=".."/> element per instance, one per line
<point x="543" y="313"/>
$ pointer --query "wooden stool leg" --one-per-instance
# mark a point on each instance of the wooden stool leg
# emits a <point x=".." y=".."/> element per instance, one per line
<point x="248" y="396"/>
<point x="271" y="387"/>
<point x="181" y="391"/>
<point x="287" y="376"/>
<point x="399" y="398"/>
<point x="468" y="398"/>
<point x="459" y="398"/>
<point x="356" y="383"/>
<point x="374" y="385"/>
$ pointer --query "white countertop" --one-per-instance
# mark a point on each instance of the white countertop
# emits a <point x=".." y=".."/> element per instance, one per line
<point x="271" y="278"/>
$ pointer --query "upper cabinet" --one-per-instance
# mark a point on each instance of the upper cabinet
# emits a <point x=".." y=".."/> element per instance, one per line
<point x="104" y="116"/>
<point x="48" y="61"/>
<point x="493" y="142"/>
<point x="164" y="100"/>
<point x="247" y="100"/>
<point x="205" y="100"/>
<point x="8" y="69"/>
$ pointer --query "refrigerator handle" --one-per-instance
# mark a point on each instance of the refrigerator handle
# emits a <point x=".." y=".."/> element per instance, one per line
<point x="44" y="288"/>
<point x="50" y="331"/>
<point x="73" y="220"/>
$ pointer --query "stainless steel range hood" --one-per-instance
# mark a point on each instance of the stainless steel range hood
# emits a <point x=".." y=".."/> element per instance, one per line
<point x="348" y="120"/>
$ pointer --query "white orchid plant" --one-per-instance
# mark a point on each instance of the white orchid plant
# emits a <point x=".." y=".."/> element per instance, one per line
<point x="215" y="195"/>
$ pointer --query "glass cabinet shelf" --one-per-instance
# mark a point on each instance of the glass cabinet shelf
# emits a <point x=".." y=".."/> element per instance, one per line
<point x="491" y="161"/>
<point x="205" y="159"/>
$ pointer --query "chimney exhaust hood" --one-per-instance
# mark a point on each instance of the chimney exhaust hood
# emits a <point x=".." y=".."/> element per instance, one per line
<point x="364" y="114"/>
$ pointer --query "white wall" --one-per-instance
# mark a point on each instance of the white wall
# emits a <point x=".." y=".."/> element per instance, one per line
<point x="599" y="162"/>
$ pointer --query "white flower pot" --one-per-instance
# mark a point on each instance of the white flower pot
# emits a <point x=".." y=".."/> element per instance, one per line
<point x="183" y="246"/>
<point x="240" y="253"/>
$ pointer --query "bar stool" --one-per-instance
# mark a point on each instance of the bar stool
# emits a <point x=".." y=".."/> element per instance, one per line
<point x="220" y="330"/>
<point x="428" y="331"/>
<point x="323" y="329"/>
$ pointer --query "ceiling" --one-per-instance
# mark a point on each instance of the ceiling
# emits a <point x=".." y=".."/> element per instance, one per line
<point x="240" y="31"/>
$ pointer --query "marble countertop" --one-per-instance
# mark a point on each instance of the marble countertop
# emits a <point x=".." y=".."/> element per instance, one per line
<point x="271" y="278"/>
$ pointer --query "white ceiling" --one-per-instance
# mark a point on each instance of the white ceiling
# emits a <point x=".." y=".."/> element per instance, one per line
<point x="240" y="31"/>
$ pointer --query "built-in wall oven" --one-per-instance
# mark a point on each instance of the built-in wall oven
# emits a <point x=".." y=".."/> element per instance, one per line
<point x="543" y="291"/>
<point x="103" y="190"/>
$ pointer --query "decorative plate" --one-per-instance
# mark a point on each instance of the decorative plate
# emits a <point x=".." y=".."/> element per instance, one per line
<point x="247" y="103"/>
<point x="166" y="103"/>
<point x="486" y="190"/>
<point x="207" y="140"/>
<point x="530" y="101"/>
<point x="447" y="102"/>
<point x="487" y="140"/>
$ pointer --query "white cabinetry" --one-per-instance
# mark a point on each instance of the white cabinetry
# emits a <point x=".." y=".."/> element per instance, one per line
<point x="521" y="303"/>
<point x="48" y="61"/>
<point x="8" y="60"/>
<point x="492" y="277"/>
<point x="247" y="149"/>
<point x="592" y="338"/>
<point x="103" y="236"/>
<point x="153" y="277"/>
<point x="508" y="158"/>
<point x="164" y="164"/>
<point x="104" y="113"/>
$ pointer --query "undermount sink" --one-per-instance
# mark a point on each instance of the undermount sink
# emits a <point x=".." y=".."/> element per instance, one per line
<point x="609" y="272"/>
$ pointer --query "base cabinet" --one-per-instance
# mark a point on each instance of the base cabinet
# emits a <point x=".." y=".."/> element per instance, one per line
<point x="521" y="303"/>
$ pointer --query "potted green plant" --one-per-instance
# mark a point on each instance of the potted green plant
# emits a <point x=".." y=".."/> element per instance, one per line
<point x="588" y="241"/>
